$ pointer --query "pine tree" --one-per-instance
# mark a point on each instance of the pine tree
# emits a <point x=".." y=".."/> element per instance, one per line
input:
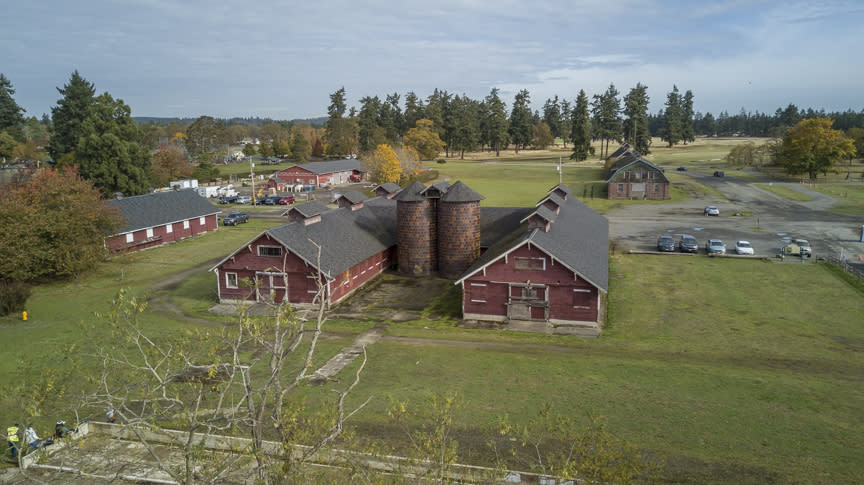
<point x="414" y="110"/>
<point x="466" y="133"/>
<point x="11" y="115"/>
<point x="564" y="122"/>
<point x="369" y="133"/>
<point x="71" y="111"/>
<point x="580" y="129"/>
<point x="672" y="118"/>
<point x="687" y="117"/>
<point x="552" y="116"/>
<point x="521" y="125"/>
<point x="607" y="117"/>
<point x="494" y="123"/>
<point x="636" y="131"/>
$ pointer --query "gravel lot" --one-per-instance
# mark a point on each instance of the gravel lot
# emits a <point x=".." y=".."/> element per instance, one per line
<point x="767" y="219"/>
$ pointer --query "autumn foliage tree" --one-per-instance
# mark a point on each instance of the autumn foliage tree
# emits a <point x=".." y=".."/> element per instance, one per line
<point x="169" y="163"/>
<point x="424" y="140"/>
<point x="51" y="226"/>
<point x="384" y="165"/>
<point x="812" y="147"/>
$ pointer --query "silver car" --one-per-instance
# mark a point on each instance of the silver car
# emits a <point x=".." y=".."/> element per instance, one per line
<point x="715" y="246"/>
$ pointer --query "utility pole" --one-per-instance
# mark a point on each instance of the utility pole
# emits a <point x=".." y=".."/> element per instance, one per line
<point x="560" y="175"/>
<point x="252" y="176"/>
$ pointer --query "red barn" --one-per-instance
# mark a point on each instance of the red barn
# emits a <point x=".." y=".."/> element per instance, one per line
<point x="319" y="174"/>
<point x="162" y="217"/>
<point x="552" y="269"/>
<point x="632" y="177"/>
<point x="283" y="263"/>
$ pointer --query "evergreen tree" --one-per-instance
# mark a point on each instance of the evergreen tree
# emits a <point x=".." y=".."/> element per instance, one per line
<point x="71" y="111"/>
<point x="391" y="118"/>
<point x="552" y="116"/>
<point x="521" y="119"/>
<point x="466" y="133"/>
<point x="494" y="123"/>
<point x="11" y="115"/>
<point x="687" y="117"/>
<point x="109" y="153"/>
<point x="636" y="131"/>
<point x="607" y="117"/>
<point x="580" y="129"/>
<point x="414" y="110"/>
<point x="340" y="133"/>
<point x="369" y="131"/>
<point x="564" y="121"/>
<point x="672" y="131"/>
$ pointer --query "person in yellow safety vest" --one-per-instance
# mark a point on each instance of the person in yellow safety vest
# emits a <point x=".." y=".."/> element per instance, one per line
<point x="12" y="438"/>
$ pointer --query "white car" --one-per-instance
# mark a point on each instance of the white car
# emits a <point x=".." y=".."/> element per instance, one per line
<point x="712" y="211"/>
<point x="743" y="247"/>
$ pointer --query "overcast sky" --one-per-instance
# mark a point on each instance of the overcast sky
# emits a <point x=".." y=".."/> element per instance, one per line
<point x="282" y="59"/>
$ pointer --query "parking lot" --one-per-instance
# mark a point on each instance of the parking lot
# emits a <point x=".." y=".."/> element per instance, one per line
<point x="768" y="221"/>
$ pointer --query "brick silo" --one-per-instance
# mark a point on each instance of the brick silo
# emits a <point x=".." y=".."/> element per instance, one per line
<point x="415" y="216"/>
<point x="458" y="230"/>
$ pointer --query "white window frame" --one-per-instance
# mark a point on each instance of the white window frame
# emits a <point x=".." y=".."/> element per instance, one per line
<point x="482" y="285"/>
<point x="228" y="278"/>
<point x="270" y="255"/>
<point x="202" y="221"/>
<point x="149" y="232"/>
<point x="581" y="290"/>
<point x="130" y="237"/>
<point x="186" y="224"/>
<point x="169" y="228"/>
<point x="519" y="259"/>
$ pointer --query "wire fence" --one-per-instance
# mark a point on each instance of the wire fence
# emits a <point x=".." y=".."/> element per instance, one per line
<point x="845" y="265"/>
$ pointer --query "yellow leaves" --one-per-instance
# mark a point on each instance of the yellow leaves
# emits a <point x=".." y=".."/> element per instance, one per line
<point x="424" y="140"/>
<point x="385" y="166"/>
<point x="813" y="147"/>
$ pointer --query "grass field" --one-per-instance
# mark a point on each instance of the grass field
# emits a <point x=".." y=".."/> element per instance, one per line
<point x="850" y="197"/>
<point x="704" y="363"/>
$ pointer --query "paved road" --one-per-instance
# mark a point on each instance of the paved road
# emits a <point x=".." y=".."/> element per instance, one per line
<point x="765" y="221"/>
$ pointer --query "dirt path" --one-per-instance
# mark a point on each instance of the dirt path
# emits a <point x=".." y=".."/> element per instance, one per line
<point x="347" y="355"/>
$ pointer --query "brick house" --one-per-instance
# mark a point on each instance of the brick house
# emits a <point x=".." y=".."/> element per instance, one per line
<point x="545" y="265"/>
<point x="162" y="217"/>
<point x="319" y="174"/>
<point x="632" y="177"/>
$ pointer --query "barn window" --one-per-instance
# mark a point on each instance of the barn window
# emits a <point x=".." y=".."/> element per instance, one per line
<point x="620" y="187"/>
<point x="270" y="251"/>
<point x="185" y="224"/>
<point x="169" y="228"/>
<point x="531" y="263"/>
<point x="582" y="298"/>
<point x="656" y="188"/>
<point x="201" y="221"/>
<point x="528" y="292"/>
<point x="230" y="280"/>
<point x="477" y="292"/>
<point x="149" y="232"/>
<point x="130" y="237"/>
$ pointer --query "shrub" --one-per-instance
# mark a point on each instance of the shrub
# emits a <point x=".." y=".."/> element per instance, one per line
<point x="441" y="160"/>
<point x="13" y="296"/>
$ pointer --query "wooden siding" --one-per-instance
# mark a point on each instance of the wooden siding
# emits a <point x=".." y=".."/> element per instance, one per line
<point x="141" y="240"/>
<point x="297" y="175"/>
<point x="638" y="182"/>
<point x="506" y="292"/>
<point x="288" y="276"/>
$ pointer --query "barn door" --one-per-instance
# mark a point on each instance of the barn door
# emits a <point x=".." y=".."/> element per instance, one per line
<point x="637" y="190"/>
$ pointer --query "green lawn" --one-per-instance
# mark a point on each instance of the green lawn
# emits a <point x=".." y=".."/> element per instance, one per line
<point x="850" y="197"/>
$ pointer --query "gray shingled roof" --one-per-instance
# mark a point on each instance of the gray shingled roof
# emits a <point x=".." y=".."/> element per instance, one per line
<point x="346" y="237"/>
<point x="333" y="166"/>
<point x="354" y="196"/>
<point x="557" y="199"/>
<point x="543" y="212"/>
<point x="159" y="208"/>
<point x="627" y="162"/>
<point x="411" y="193"/>
<point x="561" y="187"/>
<point x="498" y="222"/>
<point x="309" y="209"/>
<point x="460" y="192"/>
<point x="579" y="239"/>
<point x="620" y="151"/>
<point x="389" y="187"/>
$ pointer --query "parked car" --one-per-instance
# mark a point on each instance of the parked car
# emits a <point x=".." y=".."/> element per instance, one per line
<point x="804" y="247"/>
<point x="665" y="243"/>
<point x="243" y="199"/>
<point x="235" y="218"/>
<point x="271" y="200"/>
<point x="715" y="246"/>
<point x="286" y="200"/>
<point x="719" y="173"/>
<point x="688" y="244"/>
<point x="681" y="169"/>
<point x="227" y="200"/>
<point x="743" y="247"/>
<point x="712" y="211"/>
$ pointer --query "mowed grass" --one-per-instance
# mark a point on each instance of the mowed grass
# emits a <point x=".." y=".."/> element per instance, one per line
<point x="707" y="363"/>
<point x="850" y="197"/>
<point x="786" y="192"/>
